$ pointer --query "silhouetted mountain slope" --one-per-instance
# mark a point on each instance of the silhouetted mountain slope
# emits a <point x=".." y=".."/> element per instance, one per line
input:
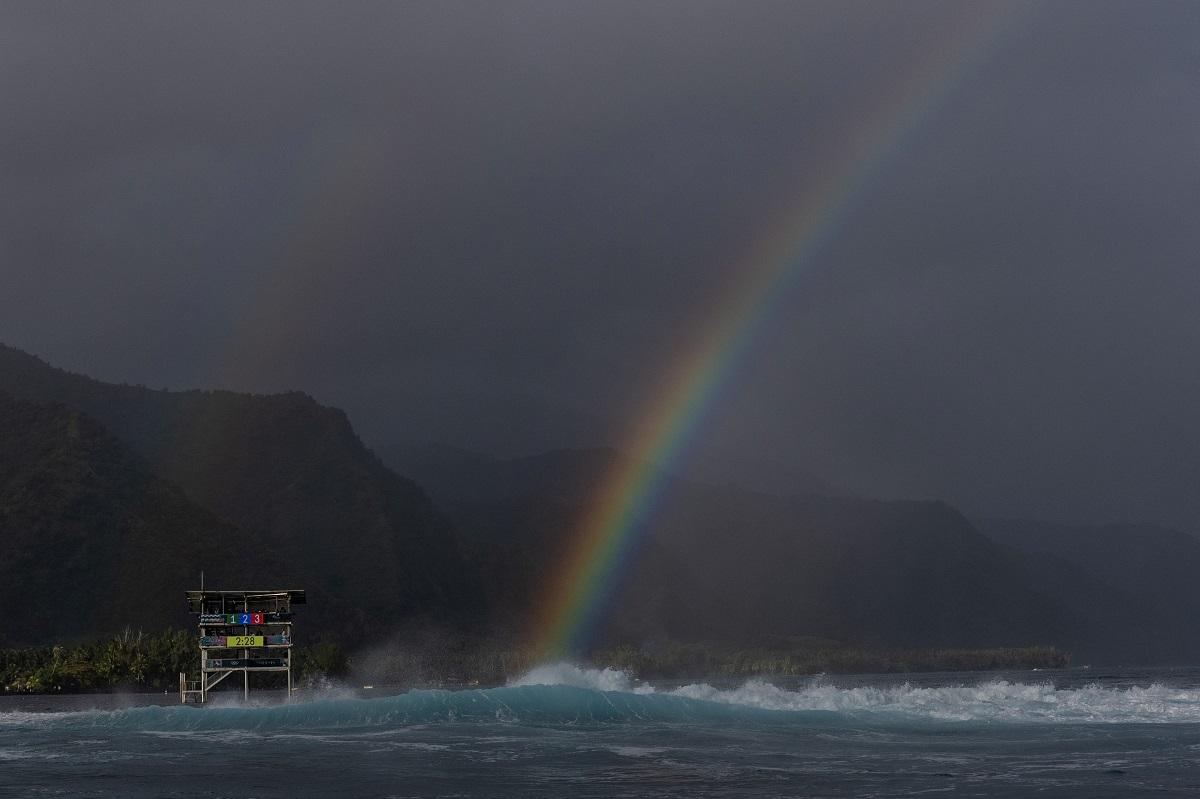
<point x="768" y="475"/>
<point x="282" y="482"/>
<point x="90" y="539"/>
<point x="367" y="544"/>
<point x="882" y="573"/>
<point x="454" y="476"/>
<point x="723" y="564"/>
<point x="1156" y="568"/>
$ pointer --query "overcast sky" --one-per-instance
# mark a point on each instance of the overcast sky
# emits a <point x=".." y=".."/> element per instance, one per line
<point x="494" y="224"/>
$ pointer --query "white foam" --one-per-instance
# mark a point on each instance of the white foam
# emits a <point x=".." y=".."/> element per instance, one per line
<point x="36" y="718"/>
<point x="997" y="700"/>
<point x="606" y="679"/>
<point x="323" y="687"/>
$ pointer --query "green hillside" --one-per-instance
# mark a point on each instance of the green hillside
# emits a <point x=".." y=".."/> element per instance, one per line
<point x="366" y="543"/>
<point x="92" y="540"/>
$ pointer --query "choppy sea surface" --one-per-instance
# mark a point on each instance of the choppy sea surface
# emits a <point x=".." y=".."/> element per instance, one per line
<point x="570" y="732"/>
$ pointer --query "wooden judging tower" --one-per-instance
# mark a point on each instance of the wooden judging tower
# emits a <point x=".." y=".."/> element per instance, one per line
<point x="240" y="631"/>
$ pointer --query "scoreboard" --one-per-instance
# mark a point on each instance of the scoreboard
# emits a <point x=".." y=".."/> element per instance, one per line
<point x="239" y="631"/>
<point x="233" y="618"/>
<point x="243" y="641"/>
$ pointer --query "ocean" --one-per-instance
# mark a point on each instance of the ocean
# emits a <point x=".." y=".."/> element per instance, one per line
<point x="564" y="731"/>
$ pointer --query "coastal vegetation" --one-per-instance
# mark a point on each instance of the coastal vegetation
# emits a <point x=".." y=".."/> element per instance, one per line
<point x="432" y="659"/>
<point x="131" y="660"/>
<point x="688" y="661"/>
<point x="136" y="661"/>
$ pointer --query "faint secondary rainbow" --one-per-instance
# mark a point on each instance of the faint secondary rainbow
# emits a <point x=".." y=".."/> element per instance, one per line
<point x="605" y="537"/>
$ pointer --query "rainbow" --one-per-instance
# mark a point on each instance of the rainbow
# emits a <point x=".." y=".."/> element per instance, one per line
<point x="606" y="536"/>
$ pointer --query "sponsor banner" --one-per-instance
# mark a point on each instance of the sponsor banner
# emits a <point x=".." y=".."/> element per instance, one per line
<point x="243" y="663"/>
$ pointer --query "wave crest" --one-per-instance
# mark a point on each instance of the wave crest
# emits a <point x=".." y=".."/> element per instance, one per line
<point x="562" y="693"/>
<point x="606" y="679"/>
<point x="996" y="700"/>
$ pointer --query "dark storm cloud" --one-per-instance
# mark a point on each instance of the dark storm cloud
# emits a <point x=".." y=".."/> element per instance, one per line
<point x="491" y="223"/>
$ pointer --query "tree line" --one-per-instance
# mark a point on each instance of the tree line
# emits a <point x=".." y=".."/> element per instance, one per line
<point x="135" y="660"/>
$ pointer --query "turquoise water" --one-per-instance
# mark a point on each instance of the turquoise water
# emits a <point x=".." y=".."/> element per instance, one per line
<point x="563" y="731"/>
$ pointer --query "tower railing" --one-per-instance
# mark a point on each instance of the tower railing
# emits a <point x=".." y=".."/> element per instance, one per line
<point x="240" y="631"/>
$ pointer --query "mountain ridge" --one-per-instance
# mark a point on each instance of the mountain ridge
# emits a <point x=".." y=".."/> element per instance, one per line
<point x="291" y="482"/>
<point x="875" y="572"/>
<point x="93" y="541"/>
<point x="367" y="543"/>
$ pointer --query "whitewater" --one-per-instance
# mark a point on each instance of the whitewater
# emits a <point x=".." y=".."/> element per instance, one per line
<point x="562" y="730"/>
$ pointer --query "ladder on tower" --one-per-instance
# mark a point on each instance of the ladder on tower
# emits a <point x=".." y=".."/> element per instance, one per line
<point x="190" y="691"/>
<point x="195" y="692"/>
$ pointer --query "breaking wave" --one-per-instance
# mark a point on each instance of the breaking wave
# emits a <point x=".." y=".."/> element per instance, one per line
<point x="564" y="694"/>
<point x="997" y="700"/>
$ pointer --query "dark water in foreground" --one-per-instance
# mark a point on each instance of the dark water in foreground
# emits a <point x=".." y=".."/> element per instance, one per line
<point x="566" y="732"/>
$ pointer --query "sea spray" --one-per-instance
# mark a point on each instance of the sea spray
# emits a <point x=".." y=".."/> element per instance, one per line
<point x="566" y="694"/>
<point x="563" y="673"/>
<point x="563" y="730"/>
<point x="993" y="700"/>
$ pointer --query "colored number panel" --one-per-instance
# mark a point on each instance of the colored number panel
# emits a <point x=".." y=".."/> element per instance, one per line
<point x="257" y="617"/>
